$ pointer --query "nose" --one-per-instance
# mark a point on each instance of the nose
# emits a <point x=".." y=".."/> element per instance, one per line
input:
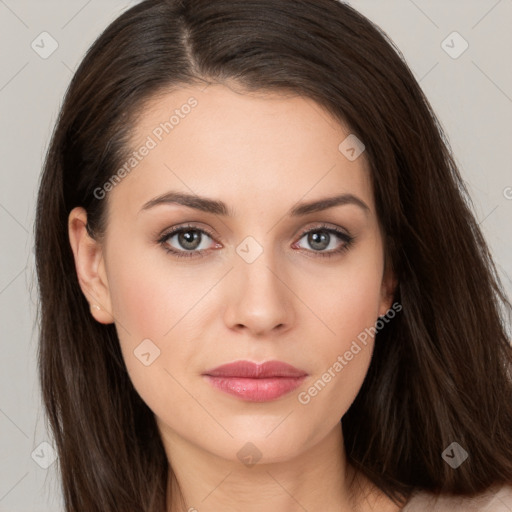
<point x="259" y="298"/>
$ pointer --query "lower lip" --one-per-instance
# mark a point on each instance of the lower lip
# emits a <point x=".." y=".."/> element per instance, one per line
<point x="256" y="390"/>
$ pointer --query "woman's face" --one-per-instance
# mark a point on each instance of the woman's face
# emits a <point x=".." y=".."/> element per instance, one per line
<point x="252" y="284"/>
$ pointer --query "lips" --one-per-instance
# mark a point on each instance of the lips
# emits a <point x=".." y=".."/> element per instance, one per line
<point x="255" y="382"/>
<point x="250" y="370"/>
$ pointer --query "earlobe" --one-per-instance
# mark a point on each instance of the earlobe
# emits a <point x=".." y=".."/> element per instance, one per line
<point x="90" y="266"/>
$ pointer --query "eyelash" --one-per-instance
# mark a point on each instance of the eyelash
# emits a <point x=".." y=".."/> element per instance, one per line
<point x="348" y="239"/>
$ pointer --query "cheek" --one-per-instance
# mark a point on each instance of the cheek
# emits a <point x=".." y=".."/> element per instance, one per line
<point x="342" y="358"/>
<point x="137" y="299"/>
<point x="158" y="299"/>
<point x="350" y="298"/>
<point x="148" y="303"/>
<point x="150" y="295"/>
<point x="348" y="305"/>
<point x="150" y="307"/>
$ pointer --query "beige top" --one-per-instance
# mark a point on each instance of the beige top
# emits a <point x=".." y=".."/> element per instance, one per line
<point x="493" y="500"/>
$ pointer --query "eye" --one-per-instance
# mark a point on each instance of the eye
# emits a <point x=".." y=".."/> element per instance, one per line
<point x="323" y="237"/>
<point x="189" y="240"/>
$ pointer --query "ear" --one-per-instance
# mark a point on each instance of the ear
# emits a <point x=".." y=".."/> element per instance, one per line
<point x="388" y="288"/>
<point x="90" y="266"/>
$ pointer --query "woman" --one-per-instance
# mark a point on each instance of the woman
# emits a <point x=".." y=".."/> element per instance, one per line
<point x="261" y="283"/>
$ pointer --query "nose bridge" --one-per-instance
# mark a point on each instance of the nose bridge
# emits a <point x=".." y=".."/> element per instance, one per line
<point x="260" y="300"/>
<point x="257" y="267"/>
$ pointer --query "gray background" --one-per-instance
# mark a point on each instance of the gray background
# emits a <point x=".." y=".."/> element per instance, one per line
<point x="471" y="94"/>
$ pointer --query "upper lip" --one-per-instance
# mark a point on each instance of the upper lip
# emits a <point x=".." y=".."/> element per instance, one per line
<point x="251" y="370"/>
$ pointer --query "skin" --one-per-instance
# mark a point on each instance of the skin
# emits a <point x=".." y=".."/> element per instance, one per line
<point x="260" y="154"/>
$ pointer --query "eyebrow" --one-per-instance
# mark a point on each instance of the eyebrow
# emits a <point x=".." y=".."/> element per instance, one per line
<point x="216" y="207"/>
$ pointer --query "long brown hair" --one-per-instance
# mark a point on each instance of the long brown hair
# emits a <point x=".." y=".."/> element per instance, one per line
<point x="440" y="371"/>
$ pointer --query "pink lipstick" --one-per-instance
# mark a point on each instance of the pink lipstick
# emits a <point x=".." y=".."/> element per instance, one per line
<point x="256" y="382"/>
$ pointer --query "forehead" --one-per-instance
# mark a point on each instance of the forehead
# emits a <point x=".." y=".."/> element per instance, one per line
<point x="254" y="149"/>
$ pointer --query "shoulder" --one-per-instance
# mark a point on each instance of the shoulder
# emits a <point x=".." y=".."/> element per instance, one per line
<point x="495" y="499"/>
